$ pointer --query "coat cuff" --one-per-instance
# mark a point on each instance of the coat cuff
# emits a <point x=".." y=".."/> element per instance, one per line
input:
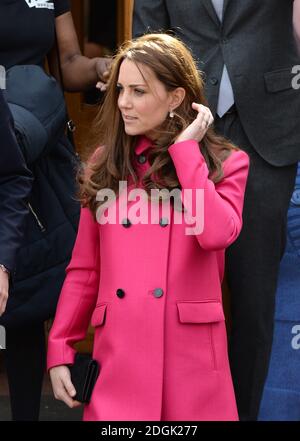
<point x="60" y="354"/>
<point x="186" y="156"/>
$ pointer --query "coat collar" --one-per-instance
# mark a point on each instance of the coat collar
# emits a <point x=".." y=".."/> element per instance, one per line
<point x="143" y="143"/>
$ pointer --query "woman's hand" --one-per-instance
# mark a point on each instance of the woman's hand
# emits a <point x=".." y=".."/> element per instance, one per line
<point x="103" y="66"/>
<point x="62" y="386"/>
<point x="197" y="129"/>
<point x="4" y="283"/>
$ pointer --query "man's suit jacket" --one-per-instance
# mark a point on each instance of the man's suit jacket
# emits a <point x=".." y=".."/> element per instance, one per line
<point x="255" y="40"/>
<point x="15" y="186"/>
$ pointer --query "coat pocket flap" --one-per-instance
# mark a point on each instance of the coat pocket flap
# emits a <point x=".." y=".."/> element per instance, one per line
<point x="278" y="80"/>
<point x="200" y="312"/>
<point x="98" y="315"/>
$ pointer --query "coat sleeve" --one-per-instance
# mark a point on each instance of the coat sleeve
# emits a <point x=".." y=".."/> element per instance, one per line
<point x="148" y="16"/>
<point x="15" y="186"/>
<point x="79" y="294"/>
<point x="223" y="202"/>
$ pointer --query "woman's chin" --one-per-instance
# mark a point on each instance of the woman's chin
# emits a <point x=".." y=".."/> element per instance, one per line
<point x="132" y="132"/>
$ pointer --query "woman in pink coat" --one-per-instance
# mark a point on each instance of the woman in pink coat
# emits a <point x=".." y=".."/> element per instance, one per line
<point x="147" y="274"/>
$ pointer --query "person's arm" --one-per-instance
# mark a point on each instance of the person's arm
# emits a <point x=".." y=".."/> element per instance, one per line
<point x="296" y="22"/>
<point x="15" y="186"/>
<point x="216" y="210"/>
<point x="75" y="306"/>
<point x="221" y="215"/>
<point x="149" y="15"/>
<point x="79" y="294"/>
<point x="79" y="72"/>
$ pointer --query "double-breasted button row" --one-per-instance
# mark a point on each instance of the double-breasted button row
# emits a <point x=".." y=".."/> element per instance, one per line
<point x="126" y="223"/>
<point x="120" y="293"/>
<point x="141" y="159"/>
<point x="157" y="292"/>
<point x="163" y="222"/>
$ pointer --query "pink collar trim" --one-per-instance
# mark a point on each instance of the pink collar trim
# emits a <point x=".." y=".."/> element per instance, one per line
<point x="143" y="144"/>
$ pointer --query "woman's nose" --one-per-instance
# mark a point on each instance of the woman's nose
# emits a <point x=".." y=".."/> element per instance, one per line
<point x="125" y="100"/>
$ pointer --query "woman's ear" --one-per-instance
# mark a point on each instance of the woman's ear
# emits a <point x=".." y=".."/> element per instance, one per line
<point x="177" y="96"/>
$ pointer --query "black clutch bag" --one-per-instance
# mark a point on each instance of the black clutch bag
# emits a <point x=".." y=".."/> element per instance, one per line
<point x="84" y="373"/>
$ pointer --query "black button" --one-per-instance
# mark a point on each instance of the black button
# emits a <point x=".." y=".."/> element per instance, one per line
<point x="126" y="223"/>
<point x="163" y="222"/>
<point x="120" y="293"/>
<point x="141" y="159"/>
<point x="214" y="80"/>
<point x="158" y="292"/>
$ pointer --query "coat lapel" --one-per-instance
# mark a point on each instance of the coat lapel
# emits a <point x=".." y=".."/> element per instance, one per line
<point x="212" y="12"/>
<point x="225" y="6"/>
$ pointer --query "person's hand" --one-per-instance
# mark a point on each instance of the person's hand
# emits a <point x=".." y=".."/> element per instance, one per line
<point x="62" y="386"/>
<point x="4" y="284"/>
<point x="197" y="129"/>
<point x="103" y="66"/>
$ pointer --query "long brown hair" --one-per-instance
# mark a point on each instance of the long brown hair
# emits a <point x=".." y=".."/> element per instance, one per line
<point x="174" y="66"/>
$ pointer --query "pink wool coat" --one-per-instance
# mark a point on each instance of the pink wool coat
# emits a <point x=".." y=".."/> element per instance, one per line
<point x="153" y="294"/>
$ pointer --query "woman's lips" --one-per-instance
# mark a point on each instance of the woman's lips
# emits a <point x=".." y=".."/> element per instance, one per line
<point x="129" y="118"/>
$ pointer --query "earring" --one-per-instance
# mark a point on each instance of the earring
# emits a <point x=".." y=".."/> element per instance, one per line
<point x="171" y="114"/>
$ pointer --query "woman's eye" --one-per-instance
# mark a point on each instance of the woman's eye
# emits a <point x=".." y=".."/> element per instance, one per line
<point x="139" y="91"/>
<point x="119" y="88"/>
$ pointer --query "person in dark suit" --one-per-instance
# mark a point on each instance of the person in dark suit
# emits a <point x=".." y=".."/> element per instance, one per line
<point x="15" y="186"/>
<point x="246" y="50"/>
